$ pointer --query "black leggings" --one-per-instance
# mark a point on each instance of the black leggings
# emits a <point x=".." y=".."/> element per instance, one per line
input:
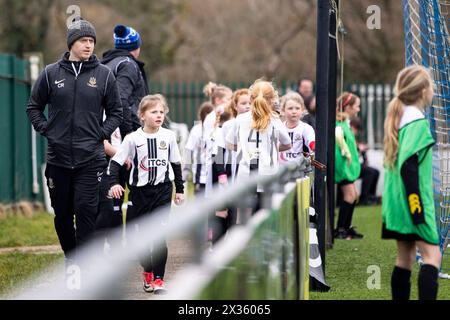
<point x="219" y="226"/>
<point x="145" y="200"/>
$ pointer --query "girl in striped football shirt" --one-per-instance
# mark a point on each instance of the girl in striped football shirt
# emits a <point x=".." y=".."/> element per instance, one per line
<point x="156" y="162"/>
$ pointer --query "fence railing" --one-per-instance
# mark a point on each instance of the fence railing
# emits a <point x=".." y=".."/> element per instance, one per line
<point x="374" y="101"/>
<point x="185" y="98"/>
<point x="280" y="244"/>
<point x="266" y="259"/>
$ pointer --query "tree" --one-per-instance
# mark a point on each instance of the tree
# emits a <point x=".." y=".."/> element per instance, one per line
<point x="243" y="40"/>
<point x="153" y="19"/>
<point x="373" y="55"/>
<point x="24" y="25"/>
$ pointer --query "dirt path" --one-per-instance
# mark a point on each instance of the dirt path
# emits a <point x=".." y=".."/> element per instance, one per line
<point x="33" y="249"/>
<point x="180" y="254"/>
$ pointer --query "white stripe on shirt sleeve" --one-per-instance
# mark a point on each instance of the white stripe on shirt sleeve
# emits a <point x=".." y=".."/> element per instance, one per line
<point x="126" y="149"/>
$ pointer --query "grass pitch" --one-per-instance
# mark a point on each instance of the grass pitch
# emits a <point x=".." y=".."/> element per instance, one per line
<point x="350" y="263"/>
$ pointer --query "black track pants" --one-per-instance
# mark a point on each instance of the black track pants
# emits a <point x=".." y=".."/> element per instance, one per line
<point x="75" y="193"/>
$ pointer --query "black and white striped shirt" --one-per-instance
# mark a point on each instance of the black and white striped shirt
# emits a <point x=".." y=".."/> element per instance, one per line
<point x="197" y="146"/>
<point x="303" y="139"/>
<point x="155" y="159"/>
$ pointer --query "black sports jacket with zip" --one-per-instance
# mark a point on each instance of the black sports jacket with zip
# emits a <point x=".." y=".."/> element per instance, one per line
<point x="132" y="84"/>
<point x="76" y="93"/>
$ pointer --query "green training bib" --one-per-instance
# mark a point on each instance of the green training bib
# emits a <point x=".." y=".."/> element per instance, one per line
<point x="414" y="138"/>
<point x="342" y="170"/>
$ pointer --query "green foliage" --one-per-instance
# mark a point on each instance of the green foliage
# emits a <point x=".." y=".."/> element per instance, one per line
<point x="160" y="40"/>
<point x="24" y="25"/>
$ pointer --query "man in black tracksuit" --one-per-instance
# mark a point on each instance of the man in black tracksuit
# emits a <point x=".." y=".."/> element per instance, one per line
<point x="78" y="90"/>
<point x="132" y="83"/>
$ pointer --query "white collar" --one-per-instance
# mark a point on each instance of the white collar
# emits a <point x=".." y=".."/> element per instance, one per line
<point x="410" y="114"/>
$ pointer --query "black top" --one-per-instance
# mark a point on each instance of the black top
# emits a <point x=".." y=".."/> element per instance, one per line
<point x="132" y="84"/>
<point x="77" y="95"/>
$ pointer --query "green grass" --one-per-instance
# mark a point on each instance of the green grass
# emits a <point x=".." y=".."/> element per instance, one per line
<point x="347" y="263"/>
<point x="22" y="231"/>
<point x="17" y="267"/>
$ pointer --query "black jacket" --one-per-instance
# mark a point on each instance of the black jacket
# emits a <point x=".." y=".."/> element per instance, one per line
<point x="75" y="129"/>
<point x="132" y="84"/>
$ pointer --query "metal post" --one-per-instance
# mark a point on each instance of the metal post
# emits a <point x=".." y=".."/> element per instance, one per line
<point x="323" y="27"/>
<point x="332" y="77"/>
<point x="34" y="73"/>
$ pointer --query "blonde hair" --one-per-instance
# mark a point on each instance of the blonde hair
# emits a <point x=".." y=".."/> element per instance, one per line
<point x="409" y="86"/>
<point x="216" y="91"/>
<point x="232" y="106"/>
<point x="151" y="101"/>
<point x="294" y="96"/>
<point x="262" y="94"/>
<point x="346" y="99"/>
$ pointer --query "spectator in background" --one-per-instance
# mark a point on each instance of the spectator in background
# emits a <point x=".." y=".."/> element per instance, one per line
<point x="369" y="175"/>
<point x="306" y="90"/>
<point x="129" y="71"/>
<point x="305" y="87"/>
<point x="132" y="84"/>
<point x="309" y="114"/>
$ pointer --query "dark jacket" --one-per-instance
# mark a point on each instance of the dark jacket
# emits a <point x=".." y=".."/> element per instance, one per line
<point x="309" y="119"/>
<point x="75" y="129"/>
<point x="132" y="84"/>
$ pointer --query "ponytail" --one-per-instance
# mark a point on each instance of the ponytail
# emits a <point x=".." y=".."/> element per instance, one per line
<point x="409" y="87"/>
<point x="216" y="91"/>
<point x="391" y="127"/>
<point x="343" y="101"/>
<point x="262" y="94"/>
<point x="261" y="113"/>
<point x="208" y="89"/>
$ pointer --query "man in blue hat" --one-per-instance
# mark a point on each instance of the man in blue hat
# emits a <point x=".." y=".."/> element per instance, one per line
<point x="132" y="84"/>
<point x="129" y="72"/>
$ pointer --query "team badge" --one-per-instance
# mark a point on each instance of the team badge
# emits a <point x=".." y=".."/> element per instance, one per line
<point x="51" y="184"/>
<point x="298" y="137"/>
<point x="163" y="145"/>
<point x="92" y="82"/>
